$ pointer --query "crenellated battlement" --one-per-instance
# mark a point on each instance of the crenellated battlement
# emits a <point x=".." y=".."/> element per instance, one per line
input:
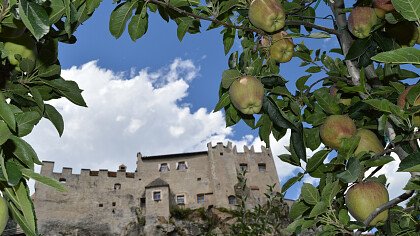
<point x="47" y="169"/>
<point x="221" y="148"/>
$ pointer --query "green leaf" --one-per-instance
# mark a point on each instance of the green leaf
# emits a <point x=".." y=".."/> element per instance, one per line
<point x="297" y="209"/>
<point x="384" y="105"/>
<point x="223" y="101"/>
<point x="36" y="95"/>
<point x="23" y="151"/>
<point x="276" y="115"/>
<point x="409" y="9"/>
<point x="343" y="216"/>
<point x="378" y="161"/>
<point x="49" y="71"/>
<point x="228" y="39"/>
<point x="411" y="163"/>
<point x="319" y="35"/>
<point x="68" y="89"/>
<point x="26" y="205"/>
<point x="4" y="132"/>
<point x="413" y="184"/>
<point x="273" y="80"/>
<point x="405" y="55"/>
<point x="183" y="27"/>
<point x="313" y="69"/>
<point x="43" y="179"/>
<point x="316" y="160"/>
<point x="298" y="143"/>
<point x="348" y="145"/>
<point x="309" y="194"/>
<point x="352" y="171"/>
<point x="20" y="219"/>
<point x="289" y="183"/>
<point x="34" y="17"/>
<point x="13" y="173"/>
<point x="57" y="10"/>
<point x="330" y="191"/>
<point x="26" y="121"/>
<point x="327" y="102"/>
<point x="358" y="48"/>
<point x="312" y="139"/>
<point x="120" y="16"/>
<point x="300" y="83"/>
<point x="229" y="76"/>
<point x="318" y="209"/>
<point x="6" y="113"/>
<point x="55" y="117"/>
<point x="138" y="24"/>
<point x="291" y="159"/>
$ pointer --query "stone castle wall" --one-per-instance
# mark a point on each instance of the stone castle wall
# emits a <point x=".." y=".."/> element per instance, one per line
<point x="115" y="201"/>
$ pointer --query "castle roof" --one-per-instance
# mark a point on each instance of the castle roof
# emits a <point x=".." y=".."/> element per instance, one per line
<point x="157" y="183"/>
<point x="174" y="155"/>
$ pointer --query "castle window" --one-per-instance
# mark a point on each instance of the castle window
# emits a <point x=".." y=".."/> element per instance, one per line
<point x="221" y="153"/>
<point x="262" y="167"/>
<point x="142" y="202"/>
<point x="232" y="200"/>
<point x="182" y="165"/>
<point x="200" y="198"/>
<point x="62" y="180"/>
<point x="180" y="199"/>
<point x="114" y="203"/>
<point x="243" y="167"/>
<point x="117" y="186"/>
<point x="198" y="179"/>
<point x="101" y="205"/>
<point x="163" y="167"/>
<point x="156" y="196"/>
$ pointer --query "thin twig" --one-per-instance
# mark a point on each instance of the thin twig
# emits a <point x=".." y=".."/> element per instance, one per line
<point x="384" y="207"/>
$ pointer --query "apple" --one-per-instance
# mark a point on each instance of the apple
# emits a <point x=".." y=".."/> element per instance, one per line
<point x="402" y="101"/>
<point x="405" y="33"/>
<point x="282" y="48"/>
<point x="267" y="15"/>
<point x="24" y="45"/>
<point x="246" y="94"/>
<point x="385" y="5"/>
<point x="368" y="142"/>
<point x="4" y="214"/>
<point x="363" y="198"/>
<point x="362" y="20"/>
<point x="335" y="129"/>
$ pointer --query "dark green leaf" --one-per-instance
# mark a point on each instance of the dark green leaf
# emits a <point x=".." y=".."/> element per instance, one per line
<point x="6" y="113"/>
<point x="328" y="102"/>
<point x="266" y="126"/>
<point x="344" y="217"/>
<point x="55" y="117"/>
<point x="68" y="89"/>
<point x="23" y="151"/>
<point x="298" y="209"/>
<point x="13" y="173"/>
<point x="407" y="55"/>
<point x="358" y="48"/>
<point x="229" y="76"/>
<point x="26" y="121"/>
<point x="411" y="163"/>
<point x="223" y="101"/>
<point x="312" y="139"/>
<point x="330" y="191"/>
<point x="25" y="205"/>
<point x="318" y="209"/>
<point x="316" y="160"/>
<point x="120" y="16"/>
<point x="34" y="17"/>
<point x="298" y="143"/>
<point x="300" y="83"/>
<point x="273" y="80"/>
<point x="352" y="171"/>
<point x="36" y="95"/>
<point x="348" y="145"/>
<point x="291" y="159"/>
<point x="20" y="219"/>
<point x="275" y="114"/>
<point x="310" y="194"/>
<point x="378" y="161"/>
<point x="313" y="69"/>
<point x="138" y="24"/>
<point x="4" y="132"/>
<point x="183" y="27"/>
<point x="228" y="39"/>
<point x="289" y="183"/>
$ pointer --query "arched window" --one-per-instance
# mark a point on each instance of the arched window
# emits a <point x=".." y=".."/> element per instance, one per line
<point x="232" y="200"/>
<point x="62" y="180"/>
<point x="117" y="186"/>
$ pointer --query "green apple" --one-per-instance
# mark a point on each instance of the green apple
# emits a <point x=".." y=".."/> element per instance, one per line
<point x="267" y="15"/>
<point x="401" y="102"/>
<point x="4" y="214"/>
<point x="368" y="142"/>
<point x="25" y="46"/>
<point x="405" y="33"/>
<point x="281" y="49"/>
<point x="363" y="198"/>
<point x="362" y="20"/>
<point x="335" y="129"/>
<point x="385" y="5"/>
<point x="246" y="94"/>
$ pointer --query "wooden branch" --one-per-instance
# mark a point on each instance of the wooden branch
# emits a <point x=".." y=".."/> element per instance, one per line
<point x="384" y="207"/>
<point x="240" y="27"/>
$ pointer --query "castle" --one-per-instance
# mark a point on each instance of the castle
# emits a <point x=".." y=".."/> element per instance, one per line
<point x="111" y="203"/>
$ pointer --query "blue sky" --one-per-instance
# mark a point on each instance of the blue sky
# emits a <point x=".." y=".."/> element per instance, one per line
<point x="143" y="94"/>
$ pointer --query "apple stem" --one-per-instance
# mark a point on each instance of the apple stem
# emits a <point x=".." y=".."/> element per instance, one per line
<point x="384" y="207"/>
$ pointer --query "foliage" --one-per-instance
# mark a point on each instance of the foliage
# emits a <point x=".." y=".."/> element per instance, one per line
<point x="344" y="80"/>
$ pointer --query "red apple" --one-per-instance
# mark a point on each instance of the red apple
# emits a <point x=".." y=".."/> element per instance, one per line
<point x="335" y="129"/>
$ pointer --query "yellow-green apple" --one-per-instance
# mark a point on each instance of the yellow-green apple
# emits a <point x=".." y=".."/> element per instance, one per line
<point x="267" y="15"/>
<point x="24" y="45"/>
<point x="4" y="214"/>
<point x="336" y="128"/>
<point x="385" y="5"/>
<point x="402" y="101"/>
<point x="405" y="33"/>
<point x="368" y="142"/>
<point x="282" y="48"/>
<point x="362" y="20"/>
<point x="246" y="94"/>
<point x="363" y="198"/>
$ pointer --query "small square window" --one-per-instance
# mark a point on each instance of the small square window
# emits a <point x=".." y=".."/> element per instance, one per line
<point x="232" y="200"/>
<point x="243" y="167"/>
<point x="180" y="199"/>
<point x="101" y="205"/>
<point x="198" y="179"/>
<point x="182" y="165"/>
<point x="164" y="167"/>
<point x="156" y="196"/>
<point x="262" y="167"/>
<point x="142" y="202"/>
<point x="114" y="204"/>
<point x="200" y="198"/>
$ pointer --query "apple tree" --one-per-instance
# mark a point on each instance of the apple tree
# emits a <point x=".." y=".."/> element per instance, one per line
<point x="355" y="106"/>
